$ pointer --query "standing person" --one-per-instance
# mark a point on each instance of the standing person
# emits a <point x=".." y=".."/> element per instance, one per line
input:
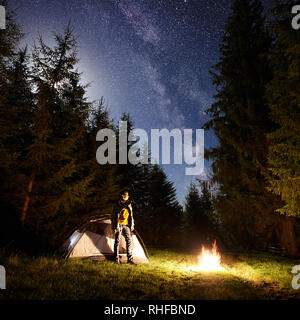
<point x="122" y="223"/>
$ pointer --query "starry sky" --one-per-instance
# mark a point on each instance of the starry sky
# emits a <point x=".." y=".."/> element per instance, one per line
<point x="150" y="58"/>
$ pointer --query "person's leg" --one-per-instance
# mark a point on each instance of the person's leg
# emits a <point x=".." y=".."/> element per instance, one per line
<point x="117" y="242"/>
<point x="129" y="243"/>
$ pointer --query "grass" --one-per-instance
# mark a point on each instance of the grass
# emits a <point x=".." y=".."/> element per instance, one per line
<point x="247" y="276"/>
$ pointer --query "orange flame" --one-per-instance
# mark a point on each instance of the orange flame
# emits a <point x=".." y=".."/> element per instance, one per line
<point x="209" y="260"/>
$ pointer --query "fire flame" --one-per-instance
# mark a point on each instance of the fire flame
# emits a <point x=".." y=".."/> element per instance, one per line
<point x="209" y="260"/>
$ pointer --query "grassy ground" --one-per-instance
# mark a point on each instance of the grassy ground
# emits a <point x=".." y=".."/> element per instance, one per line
<point x="247" y="276"/>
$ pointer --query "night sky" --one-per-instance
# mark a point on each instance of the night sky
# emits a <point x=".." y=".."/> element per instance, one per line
<point x="147" y="57"/>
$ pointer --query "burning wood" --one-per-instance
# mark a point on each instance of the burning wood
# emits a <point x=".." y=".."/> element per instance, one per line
<point x="209" y="260"/>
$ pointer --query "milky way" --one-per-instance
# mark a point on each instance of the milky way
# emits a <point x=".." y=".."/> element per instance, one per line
<point x="147" y="57"/>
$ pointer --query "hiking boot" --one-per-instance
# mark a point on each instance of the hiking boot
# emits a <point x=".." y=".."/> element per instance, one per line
<point x="130" y="261"/>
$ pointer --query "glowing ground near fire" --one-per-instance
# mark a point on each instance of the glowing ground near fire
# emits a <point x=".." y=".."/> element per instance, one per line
<point x="166" y="277"/>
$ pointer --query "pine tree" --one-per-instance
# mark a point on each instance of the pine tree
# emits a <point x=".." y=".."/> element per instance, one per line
<point x="9" y="41"/>
<point x="16" y="116"/>
<point x="15" y="109"/>
<point x="198" y="226"/>
<point x="15" y="131"/>
<point x="284" y="102"/>
<point x="240" y="121"/>
<point x="133" y="177"/>
<point x="164" y="212"/>
<point x="56" y="182"/>
<point x="106" y="182"/>
<point x="126" y="171"/>
<point x="142" y="189"/>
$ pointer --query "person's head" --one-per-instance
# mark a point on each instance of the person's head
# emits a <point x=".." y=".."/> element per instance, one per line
<point x="125" y="195"/>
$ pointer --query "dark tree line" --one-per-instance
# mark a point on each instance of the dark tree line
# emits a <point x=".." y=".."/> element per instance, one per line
<point x="50" y="180"/>
<point x="256" y="120"/>
<point x="199" y="221"/>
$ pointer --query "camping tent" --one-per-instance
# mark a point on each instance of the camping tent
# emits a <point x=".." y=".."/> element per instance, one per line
<point x="95" y="239"/>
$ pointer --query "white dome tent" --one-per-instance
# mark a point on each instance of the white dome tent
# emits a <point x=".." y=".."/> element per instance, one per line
<point x="95" y="240"/>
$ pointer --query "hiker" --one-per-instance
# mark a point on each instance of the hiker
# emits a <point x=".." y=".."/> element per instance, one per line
<point x="122" y="223"/>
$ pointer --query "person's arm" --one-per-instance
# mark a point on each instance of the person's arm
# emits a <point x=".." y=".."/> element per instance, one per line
<point x="131" y="213"/>
<point x="114" y="218"/>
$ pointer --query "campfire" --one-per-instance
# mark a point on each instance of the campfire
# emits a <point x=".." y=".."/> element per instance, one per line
<point x="209" y="260"/>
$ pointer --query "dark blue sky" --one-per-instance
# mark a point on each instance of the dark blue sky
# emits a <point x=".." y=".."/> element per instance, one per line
<point x="147" y="57"/>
